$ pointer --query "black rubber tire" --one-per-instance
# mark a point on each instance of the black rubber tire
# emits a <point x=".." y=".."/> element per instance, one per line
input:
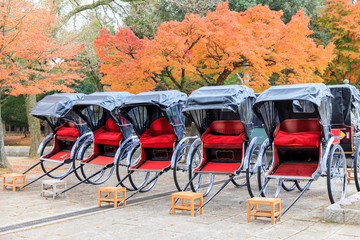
<point x="330" y="188"/>
<point x="357" y="168"/>
<point x="287" y="188"/>
<point x="176" y="171"/>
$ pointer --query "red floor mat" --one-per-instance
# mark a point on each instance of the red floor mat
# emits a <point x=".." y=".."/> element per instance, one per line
<point x="102" y="160"/>
<point x="296" y="170"/>
<point x="216" y="167"/>
<point x="155" y="165"/>
<point x="60" y="156"/>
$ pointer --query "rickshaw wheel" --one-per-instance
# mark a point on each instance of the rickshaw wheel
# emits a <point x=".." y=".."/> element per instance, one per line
<point x="203" y="182"/>
<point x="180" y="167"/>
<point x="336" y="174"/>
<point x="288" y="185"/>
<point x="138" y="178"/>
<point x="265" y="165"/>
<point x="86" y="153"/>
<point x="47" y="165"/>
<point x="122" y="158"/>
<point x="298" y="185"/>
<point x="357" y="168"/>
<point x="251" y="172"/>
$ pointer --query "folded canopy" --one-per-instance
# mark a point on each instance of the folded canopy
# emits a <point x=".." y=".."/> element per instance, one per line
<point x="145" y="108"/>
<point x="56" y="105"/>
<point x="298" y="101"/>
<point x="217" y="103"/>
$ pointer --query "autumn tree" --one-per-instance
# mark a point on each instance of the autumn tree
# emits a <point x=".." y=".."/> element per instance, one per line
<point x="342" y="19"/>
<point x="32" y="61"/>
<point x="206" y="50"/>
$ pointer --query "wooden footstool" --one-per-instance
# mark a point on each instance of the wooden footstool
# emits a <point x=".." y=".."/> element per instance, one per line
<point x="13" y="183"/>
<point x="272" y="202"/>
<point x="112" y="195"/>
<point x="53" y="187"/>
<point x="350" y="177"/>
<point x="192" y="196"/>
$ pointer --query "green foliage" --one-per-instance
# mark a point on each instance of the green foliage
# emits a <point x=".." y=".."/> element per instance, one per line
<point x="14" y="111"/>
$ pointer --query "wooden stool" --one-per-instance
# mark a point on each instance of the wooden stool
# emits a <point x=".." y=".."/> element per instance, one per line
<point x="52" y="187"/>
<point x="192" y="196"/>
<point x="13" y="183"/>
<point x="349" y="178"/>
<point x="115" y="199"/>
<point x="272" y="202"/>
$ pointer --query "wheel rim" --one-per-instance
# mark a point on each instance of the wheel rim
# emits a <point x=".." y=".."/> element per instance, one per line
<point x="181" y="168"/>
<point x="337" y="174"/>
<point x="137" y="178"/>
<point x="251" y="174"/>
<point x="47" y="166"/>
<point x="266" y="164"/>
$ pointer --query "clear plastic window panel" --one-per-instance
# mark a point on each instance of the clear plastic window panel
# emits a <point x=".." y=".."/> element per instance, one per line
<point x="79" y="122"/>
<point x="303" y="106"/>
<point x="55" y="122"/>
<point x="176" y="119"/>
<point x="246" y="114"/>
<point x="199" y="118"/>
<point x="325" y="112"/>
<point x="95" y="116"/>
<point x="270" y="117"/>
<point x="139" y="118"/>
<point x="125" y="126"/>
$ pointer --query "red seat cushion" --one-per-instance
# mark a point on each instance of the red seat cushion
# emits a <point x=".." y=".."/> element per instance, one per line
<point x="68" y="133"/>
<point x="160" y="135"/>
<point x="109" y="134"/>
<point x="153" y="165"/>
<point x="224" y="134"/>
<point x="298" y="139"/>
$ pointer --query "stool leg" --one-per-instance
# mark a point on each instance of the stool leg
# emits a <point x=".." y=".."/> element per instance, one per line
<point x="115" y="198"/>
<point x="14" y="184"/>
<point x="255" y="208"/>
<point x="272" y="213"/>
<point x="248" y="212"/>
<point x="24" y="181"/>
<point x="279" y="209"/>
<point x="124" y="196"/>
<point x="172" y="205"/>
<point x="99" y="196"/>
<point x="192" y="207"/>
<point x="183" y="204"/>
<point x="201" y="203"/>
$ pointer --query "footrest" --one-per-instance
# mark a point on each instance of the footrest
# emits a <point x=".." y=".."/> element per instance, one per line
<point x="52" y="187"/>
<point x="272" y="213"/>
<point x="112" y="195"/>
<point x="13" y="183"/>
<point x="192" y="196"/>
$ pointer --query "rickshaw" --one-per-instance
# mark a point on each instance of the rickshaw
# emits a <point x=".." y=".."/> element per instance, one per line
<point x="111" y="137"/>
<point x="297" y="120"/>
<point x="58" y="149"/>
<point x="223" y="117"/>
<point x="160" y="127"/>
<point x="346" y="121"/>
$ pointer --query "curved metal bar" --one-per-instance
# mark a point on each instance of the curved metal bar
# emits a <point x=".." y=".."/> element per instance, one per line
<point x="128" y="157"/>
<point x="83" y="146"/>
<point x="73" y="149"/>
<point x="46" y="139"/>
<point x="248" y="153"/>
<point x="118" y="152"/>
<point x="325" y="155"/>
<point x="173" y="157"/>
<point x="263" y="147"/>
<point x="193" y="145"/>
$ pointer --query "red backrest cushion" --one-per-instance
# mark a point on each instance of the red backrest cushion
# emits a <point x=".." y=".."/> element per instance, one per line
<point x="111" y="126"/>
<point x="300" y="125"/>
<point x="161" y="126"/>
<point x="227" y="127"/>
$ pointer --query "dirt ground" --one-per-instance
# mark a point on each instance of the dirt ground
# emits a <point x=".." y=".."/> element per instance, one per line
<point x="17" y="140"/>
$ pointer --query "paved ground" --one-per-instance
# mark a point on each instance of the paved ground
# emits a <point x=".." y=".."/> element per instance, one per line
<point x="223" y="218"/>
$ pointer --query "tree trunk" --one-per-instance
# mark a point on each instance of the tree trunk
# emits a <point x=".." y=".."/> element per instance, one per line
<point x="4" y="163"/>
<point x="34" y="127"/>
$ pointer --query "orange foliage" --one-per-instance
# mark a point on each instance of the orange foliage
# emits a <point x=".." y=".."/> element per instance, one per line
<point x="206" y="50"/>
<point x="342" y="19"/>
<point x="32" y="61"/>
